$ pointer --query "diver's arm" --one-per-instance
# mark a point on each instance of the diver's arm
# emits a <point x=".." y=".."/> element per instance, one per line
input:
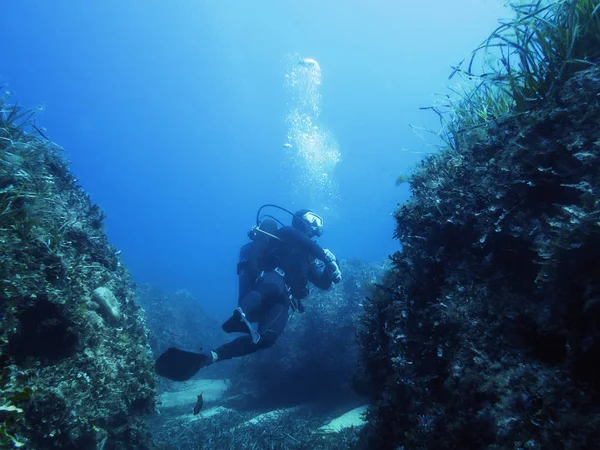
<point x="297" y="238"/>
<point x="294" y="237"/>
<point x="319" y="275"/>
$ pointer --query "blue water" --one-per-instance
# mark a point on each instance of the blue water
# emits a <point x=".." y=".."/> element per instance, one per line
<point x="175" y="115"/>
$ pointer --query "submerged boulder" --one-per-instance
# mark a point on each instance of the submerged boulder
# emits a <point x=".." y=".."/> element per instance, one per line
<point x="107" y="302"/>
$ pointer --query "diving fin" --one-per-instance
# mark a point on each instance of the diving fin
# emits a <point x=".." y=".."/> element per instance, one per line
<point x="181" y="365"/>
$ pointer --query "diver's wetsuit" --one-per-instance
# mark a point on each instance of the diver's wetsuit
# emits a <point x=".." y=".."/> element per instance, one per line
<point x="268" y="299"/>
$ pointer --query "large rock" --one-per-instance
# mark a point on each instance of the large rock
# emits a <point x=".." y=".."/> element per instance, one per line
<point x="74" y="373"/>
<point x="486" y="334"/>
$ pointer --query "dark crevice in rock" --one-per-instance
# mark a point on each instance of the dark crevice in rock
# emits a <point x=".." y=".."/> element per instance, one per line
<point x="44" y="333"/>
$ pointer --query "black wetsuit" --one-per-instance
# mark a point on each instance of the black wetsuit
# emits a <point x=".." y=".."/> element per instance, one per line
<point x="267" y="300"/>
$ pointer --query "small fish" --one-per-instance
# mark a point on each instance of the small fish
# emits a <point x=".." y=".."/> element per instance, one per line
<point x="199" y="403"/>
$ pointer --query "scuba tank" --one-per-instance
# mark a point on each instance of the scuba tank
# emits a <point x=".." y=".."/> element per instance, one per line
<point x="250" y="261"/>
<point x="248" y="267"/>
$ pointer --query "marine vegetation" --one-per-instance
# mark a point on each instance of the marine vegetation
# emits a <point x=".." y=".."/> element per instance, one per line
<point x="526" y="61"/>
<point x="237" y="430"/>
<point x="486" y="331"/>
<point x="75" y="365"/>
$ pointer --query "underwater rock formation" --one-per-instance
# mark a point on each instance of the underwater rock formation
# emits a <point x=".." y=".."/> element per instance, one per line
<point x="486" y="333"/>
<point x="177" y="319"/>
<point x="316" y="356"/>
<point x="75" y="365"/>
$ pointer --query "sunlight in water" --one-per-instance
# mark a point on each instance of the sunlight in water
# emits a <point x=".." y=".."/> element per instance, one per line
<point x="312" y="150"/>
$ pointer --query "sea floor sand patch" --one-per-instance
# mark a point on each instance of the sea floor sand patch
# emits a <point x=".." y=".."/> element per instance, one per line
<point x="270" y="415"/>
<point x="177" y="421"/>
<point x="212" y="390"/>
<point x="210" y="412"/>
<point x="353" y="418"/>
<point x="213" y="412"/>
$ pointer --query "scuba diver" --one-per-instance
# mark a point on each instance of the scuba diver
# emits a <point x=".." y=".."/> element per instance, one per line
<point x="274" y="270"/>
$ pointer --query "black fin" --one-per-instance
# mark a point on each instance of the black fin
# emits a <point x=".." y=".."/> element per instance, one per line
<point x="180" y="365"/>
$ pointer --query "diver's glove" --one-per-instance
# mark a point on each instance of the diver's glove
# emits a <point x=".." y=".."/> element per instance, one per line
<point x="332" y="266"/>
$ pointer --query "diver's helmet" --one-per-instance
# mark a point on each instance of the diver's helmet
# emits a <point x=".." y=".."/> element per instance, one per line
<point x="308" y="222"/>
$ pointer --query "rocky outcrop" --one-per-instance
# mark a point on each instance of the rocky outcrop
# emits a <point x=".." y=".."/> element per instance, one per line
<point x="75" y="365"/>
<point x="486" y="334"/>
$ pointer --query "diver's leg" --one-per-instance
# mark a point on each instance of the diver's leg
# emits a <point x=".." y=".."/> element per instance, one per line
<point x="272" y="316"/>
<point x="238" y="347"/>
<point x="274" y="322"/>
<point x="238" y="322"/>
<point x="270" y="327"/>
<point x="267" y="290"/>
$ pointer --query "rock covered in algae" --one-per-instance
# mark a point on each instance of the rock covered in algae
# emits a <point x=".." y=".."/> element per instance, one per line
<point x="107" y="302"/>
<point x="486" y="332"/>
<point x="67" y="378"/>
